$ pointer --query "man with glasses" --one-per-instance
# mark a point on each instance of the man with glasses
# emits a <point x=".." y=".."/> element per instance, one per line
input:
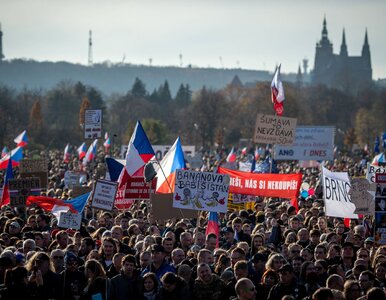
<point x="57" y="258"/>
<point x="245" y="289"/>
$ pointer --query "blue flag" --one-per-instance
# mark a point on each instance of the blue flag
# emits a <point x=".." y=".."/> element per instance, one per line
<point x="376" y="145"/>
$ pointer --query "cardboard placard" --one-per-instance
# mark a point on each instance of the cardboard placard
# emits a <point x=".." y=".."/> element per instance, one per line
<point x="274" y="130"/>
<point x="20" y="189"/>
<point x="93" y="124"/>
<point x="380" y="209"/>
<point x="104" y="195"/>
<point x="70" y="220"/>
<point x="72" y="178"/>
<point x="163" y="210"/>
<point x="35" y="168"/>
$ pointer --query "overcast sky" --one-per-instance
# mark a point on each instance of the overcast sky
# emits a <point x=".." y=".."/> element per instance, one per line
<point x="251" y="34"/>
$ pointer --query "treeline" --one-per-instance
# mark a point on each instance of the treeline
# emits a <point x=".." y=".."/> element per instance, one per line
<point x="205" y="117"/>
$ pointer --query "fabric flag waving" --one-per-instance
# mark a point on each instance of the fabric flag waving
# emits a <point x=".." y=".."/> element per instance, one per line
<point x="379" y="159"/>
<point x="91" y="152"/>
<point x="384" y="141"/>
<point x="231" y="156"/>
<point x="67" y="155"/>
<point x="82" y="151"/>
<point x="75" y="205"/>
<point x="4" y="152"/>
<point x="376" y="145"/>
<point x="107" y="143"/>
<point x="172" y="161"/>
<point x="21" y="140"/>
<point x="277" y="92"/>
<point x="212" y="226"/>
<point x="5" y="198"/>
<point x="244" y="151"/>
<point x="16" y="155"/>
<point x="139" y="151"/>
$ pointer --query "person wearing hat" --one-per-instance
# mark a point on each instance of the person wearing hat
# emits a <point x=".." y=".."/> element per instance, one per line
<point x="369" y="243"/>
<point x="287" y="285"/>
<point x="72" y="280"/>
<point x="158" y="266"/>
<point x="228" y="239"/>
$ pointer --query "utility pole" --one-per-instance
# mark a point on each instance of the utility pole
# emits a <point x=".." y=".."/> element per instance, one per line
<point x="90" y="62"/>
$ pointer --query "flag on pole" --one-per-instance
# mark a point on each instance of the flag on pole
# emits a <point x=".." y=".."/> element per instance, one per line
<point x="244" y="151"/>
<point x="16" y="155"/>
<point x="212" y="226"/>
<point x="107" y="143"/>
<point x="257" y="154"/>
<point x="172" y="161"/>
<point x="67" y="154"/>
<point x="139" y="151"/>
<point x="91" y="152"/>
<point x="21" y="140"/>
<point x="82" y="150"/>
<point x="231" y="156"/>
<point x="376" y="145"/>
<point x="5" y="198"/>
<point x="277" y="92"/>
<point x="4" y="152"/>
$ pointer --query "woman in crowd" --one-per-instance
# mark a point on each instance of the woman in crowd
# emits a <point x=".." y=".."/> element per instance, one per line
<point x="96" y="281"/>
<point x="150" y="286"/>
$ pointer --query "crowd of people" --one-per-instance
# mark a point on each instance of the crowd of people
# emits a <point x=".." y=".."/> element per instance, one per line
<point x="271" y="251"/>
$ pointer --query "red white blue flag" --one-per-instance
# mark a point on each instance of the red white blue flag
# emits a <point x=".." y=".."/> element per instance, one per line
<point x="277" y="92"/>
<point x="21" y="140"/>
<point x="67" y="154"/>
<point x="107" y="143"/>
<point x="91" y="152"/>
<point x="212" y="226"/>
<point x="82" y="150"/>
<point x="5" y="198"/>
<point x="4" y="152"/>
<point x="16" y="155"/>
<point x="231" y="156"/>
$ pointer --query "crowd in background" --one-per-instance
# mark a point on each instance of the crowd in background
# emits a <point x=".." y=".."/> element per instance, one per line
<point x="271" y="251"/>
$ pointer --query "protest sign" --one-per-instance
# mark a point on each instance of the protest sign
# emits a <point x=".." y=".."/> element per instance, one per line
<point x="93" y="124"/>
<point x="135" y="188"/>
<point x="360" y="196"/>
<point x="70" y="220"/>
<point x="20" y="189"/>
<point x="311" y="143"/>
<point x="239" y="198"/>
<point x="35" y="168"/>
<point x="372" y="170"/>
<point x="274" y="130"/>
<point x="380" y="209"/>
<point x="232" y="205"/>
<point x="201" y="191"/>
<point x="336" y="187"/>
<point x="267" y="185"/>
<point x="72" y="178"/>
<point x="104" y="194"/>
<point x="162" y="208"/>
<point x="245" y="166"/>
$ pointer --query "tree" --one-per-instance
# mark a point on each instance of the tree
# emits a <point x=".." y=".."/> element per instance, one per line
<point x="183" y="96"/>
<point x="36" y="117"/>
<point x="155" y="130"/>
<point x="164" y="93"/>
<point x="138" y="89"/>
<point x="83" y="107"/>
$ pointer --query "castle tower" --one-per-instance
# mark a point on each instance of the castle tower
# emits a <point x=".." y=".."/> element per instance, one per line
<point x="1" y="44"/>
<point x="343" y="46"/>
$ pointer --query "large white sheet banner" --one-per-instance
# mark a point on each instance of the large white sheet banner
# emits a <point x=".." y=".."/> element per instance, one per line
<point x="336" y="187"/>
<point x="201" y="191"/>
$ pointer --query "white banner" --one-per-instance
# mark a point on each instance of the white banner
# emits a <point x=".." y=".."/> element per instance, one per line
<point x="336" y="187"/>
<point x="70" y="220"/>
<point x="201" y="191"/>
<point x="311" y="143"/>
<point x="104" y="194"/>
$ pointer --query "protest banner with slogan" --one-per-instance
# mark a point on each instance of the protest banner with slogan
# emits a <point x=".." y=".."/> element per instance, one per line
<point x="135" y="188"/>
<point x="361" y="197"/>
<point x="311" y="143"/>
<point x="239" y="198"/>
<point x="162" y="208"/>
<point x="104" y="194"/>
<point x="35" y="168"/>
<point x="80" y="190"/>
<point x="380" y="209"/>
<point x="244" y="166"/>
<point x="69" y="220"/>
<point x="72" y="178"/>
<point x="20" y="189"/>
<point x="274" y="130"/>
<point x="201" y="191"/>
<point x="372" y="171"/>
<point x="232" y="205"/>
<point x="267" y="185"/>
<point x="336" y="187"/>
<point x="161" y="150"/>
<point x="93" y="124"/>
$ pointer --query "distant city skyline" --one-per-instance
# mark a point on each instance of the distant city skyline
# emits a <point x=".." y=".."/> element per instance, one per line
<point x="247" y="34"/>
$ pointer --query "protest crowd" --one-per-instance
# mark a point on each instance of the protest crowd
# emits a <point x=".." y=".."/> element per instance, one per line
<point x="269" y="251"/>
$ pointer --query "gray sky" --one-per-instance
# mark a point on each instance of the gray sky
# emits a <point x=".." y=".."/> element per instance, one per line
<point x="251" y="34"/>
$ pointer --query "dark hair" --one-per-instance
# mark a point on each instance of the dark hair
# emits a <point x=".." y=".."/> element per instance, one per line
<point x="323" y="294"/>
<point x="375" y="293"/>
<point x="129" y="258"/>
<point x="153" y="277"/>
<point x="169" y="278"/>
<point x="13" y="277"/>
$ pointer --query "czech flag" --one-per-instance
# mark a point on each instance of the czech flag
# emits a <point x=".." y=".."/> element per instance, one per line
<point x="107" y="143"/>
<point x="139" y="151"/>
<point x="231" y="156"/>
<point x="380" y="158"/>
<point x="82" y="151"/>
<point x="4" y="152"/>
<point x="212" y="226"/>
<point x="21" y="140"/>
<point x="67" y="154"/>
<point x="166" y="173"/>
<point x="244" y="151"/>
<point x="16" y="155"/>
<point x="277" y="92"/>
<point x="91" y="152"/>
<point x="5" y="198"/>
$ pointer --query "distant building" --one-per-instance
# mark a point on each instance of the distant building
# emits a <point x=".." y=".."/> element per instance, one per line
<point x="341" y="71"/>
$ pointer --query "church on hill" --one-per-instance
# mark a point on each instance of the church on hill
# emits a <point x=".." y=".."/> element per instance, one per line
<point x="341" y="71"/>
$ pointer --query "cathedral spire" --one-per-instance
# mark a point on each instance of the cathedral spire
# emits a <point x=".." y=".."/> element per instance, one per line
<point x="324" y="30"/>
<point x="366" y="47"/>
<point x="343" y="46"/>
